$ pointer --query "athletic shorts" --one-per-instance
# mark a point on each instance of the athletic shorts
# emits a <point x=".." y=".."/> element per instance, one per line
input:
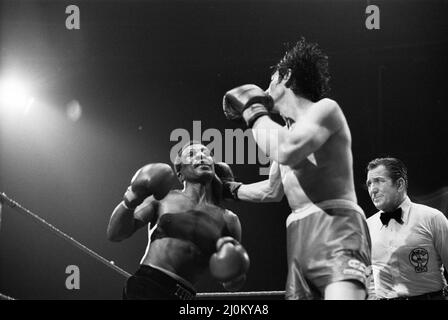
<point x="326" y="242"/>
<point x="149" y="283"/>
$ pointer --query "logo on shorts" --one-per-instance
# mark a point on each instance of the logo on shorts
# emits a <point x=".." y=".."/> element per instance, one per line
<point x="356" y="268"/>
<point x="182" y="293"/>
<point x="419" y="259"/>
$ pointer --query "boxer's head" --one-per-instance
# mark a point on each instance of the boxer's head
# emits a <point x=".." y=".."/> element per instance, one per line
<point x="194" y="163"/>
<point x="304" y="70"/>
<point x="387" y="182"/>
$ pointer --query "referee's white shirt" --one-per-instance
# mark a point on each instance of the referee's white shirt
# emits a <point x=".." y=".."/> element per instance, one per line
<point x="408" y="258"/>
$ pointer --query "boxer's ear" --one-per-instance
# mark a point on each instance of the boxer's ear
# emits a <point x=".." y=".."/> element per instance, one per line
<point x="287" y="75"/>
<point x="180" y="177"/>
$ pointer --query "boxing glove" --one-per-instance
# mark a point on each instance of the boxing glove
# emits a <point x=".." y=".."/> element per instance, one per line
<point x="224" y="172"/>
<point x="155" y="179"/>
<point x="230" y="260"/>
<point x="248" y="102"/>
<point x="230" y="190"/>
<point x="235" y="284"/>
<point x="229" y="186"/>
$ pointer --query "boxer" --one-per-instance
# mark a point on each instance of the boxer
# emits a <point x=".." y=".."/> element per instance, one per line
<point x="190" y="233"/>
<point x="328" y="243"/>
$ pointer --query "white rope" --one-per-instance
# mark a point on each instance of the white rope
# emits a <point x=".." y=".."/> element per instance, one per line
<point x="5" y="297"/>
<point x="13" y="204"/>
<point x="240" y="294"/>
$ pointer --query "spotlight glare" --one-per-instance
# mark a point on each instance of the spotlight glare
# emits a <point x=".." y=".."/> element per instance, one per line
<point x="14" y="95"/>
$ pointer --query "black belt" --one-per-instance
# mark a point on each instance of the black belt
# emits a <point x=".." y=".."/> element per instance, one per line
<point x="170" y="284"/>
<point x="425" y="296"/>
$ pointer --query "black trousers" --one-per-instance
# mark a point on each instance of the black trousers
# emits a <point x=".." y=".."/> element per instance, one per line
<point x="152" y="284"/>
<point x="437" y="295"/>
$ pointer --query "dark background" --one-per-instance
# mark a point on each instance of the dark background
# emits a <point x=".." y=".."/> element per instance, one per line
<point x="141" y="69"/>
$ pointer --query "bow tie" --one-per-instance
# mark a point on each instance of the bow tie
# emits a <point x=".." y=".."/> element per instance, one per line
<point x="386" y="216"/>
<point x="289" y="122"/>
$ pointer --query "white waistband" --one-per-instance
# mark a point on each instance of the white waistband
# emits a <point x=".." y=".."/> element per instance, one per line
<point x="318" y="207"/>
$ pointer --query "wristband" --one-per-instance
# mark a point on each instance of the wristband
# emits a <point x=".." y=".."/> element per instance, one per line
<point x="234" y="190"/>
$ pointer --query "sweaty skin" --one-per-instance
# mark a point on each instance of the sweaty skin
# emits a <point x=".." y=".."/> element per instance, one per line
<point x="312" y="163"/>
<point x="180" y="256"/>
<point x="314" y="154"/>
<point x="185" y="225"/>
<point x="329" y="175"/>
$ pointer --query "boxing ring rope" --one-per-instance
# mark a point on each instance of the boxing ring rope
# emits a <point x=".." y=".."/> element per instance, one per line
<point x="5" y="297"/>
<point x="13" y="204"/>
<point x="239" y="294"/>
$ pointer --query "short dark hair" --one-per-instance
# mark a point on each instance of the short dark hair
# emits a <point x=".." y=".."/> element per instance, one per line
<point x="395" y="167"/>
<point x="178" y="160"/>
<point x="310" y="76"/>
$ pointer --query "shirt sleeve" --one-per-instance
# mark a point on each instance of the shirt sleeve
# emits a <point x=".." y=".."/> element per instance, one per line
<point x="439" y="226"/>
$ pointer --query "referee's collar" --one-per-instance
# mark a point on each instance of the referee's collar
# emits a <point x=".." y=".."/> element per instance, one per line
<point x="405" y="207"/>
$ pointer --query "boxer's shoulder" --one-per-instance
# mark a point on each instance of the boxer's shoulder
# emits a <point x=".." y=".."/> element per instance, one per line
<point x="326" y="106"/>
<point x="231" y="219"/>
<point x="329" y="114"/>
<point x="229" y="214"/>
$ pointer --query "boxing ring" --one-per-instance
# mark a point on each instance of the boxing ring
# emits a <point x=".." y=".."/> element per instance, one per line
<point x="4" y="199"/>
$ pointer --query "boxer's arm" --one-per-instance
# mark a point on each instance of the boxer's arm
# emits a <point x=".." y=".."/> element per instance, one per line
<point x="149" y="184"/>
<point x="269" y="190"/>
<point x="233" y="225"/>
<point x="308" y="134"/>
<point x="124" y="221"/>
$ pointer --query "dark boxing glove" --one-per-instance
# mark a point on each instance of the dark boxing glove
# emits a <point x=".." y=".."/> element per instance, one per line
<point x="224" y="172"/>
<point x="235" y="284"/>
<point x="230" y="190"/>
<point x="217" y="182"/>
<point x="155" y="179"/>
<point x="229" y="185"/>
<point x="248" y="102"/>
<point x="230" y="262"/>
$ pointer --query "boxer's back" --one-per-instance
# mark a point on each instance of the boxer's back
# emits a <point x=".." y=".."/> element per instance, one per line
<point x="326" y="174"/>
